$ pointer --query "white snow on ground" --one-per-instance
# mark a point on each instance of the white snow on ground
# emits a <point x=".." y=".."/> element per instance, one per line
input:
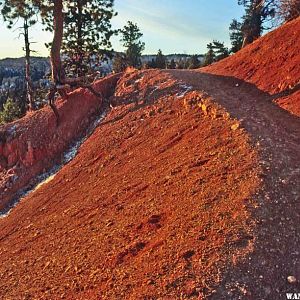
<point x="186" y="88"/>
<point x="157" y="87"/>
<point x="46" y="177"/>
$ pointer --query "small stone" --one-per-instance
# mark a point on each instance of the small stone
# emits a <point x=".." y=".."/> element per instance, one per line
<point x="109" y="223"/>
<point x="235" y="126"/>
<point x="150" y="282"/>
<point x="151" y="113"/>
<point x="188" y="254"/>
<point x="204" y="108"/>
<point x="291" y="279"/>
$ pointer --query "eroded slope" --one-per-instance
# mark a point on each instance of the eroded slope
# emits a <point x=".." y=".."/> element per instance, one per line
<point x="153" y="206"/>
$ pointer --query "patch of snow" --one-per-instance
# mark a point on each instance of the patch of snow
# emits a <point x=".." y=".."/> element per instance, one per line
<point x="154" y="90"/>
<point x="186" y="88"/>
<point x="12" y="130"/>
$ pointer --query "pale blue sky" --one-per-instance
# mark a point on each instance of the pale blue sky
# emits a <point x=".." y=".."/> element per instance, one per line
<point x="175" y="26"/>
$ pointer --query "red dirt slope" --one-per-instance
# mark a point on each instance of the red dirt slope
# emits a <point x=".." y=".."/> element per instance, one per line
<point x="272" y="63"/>
<point x="153" y="206"/>
<point x="34" y="143"/>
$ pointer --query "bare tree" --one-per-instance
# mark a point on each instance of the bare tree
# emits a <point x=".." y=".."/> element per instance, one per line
<point x="13" y="11"/>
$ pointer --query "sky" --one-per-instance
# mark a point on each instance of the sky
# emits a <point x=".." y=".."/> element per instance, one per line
<point x="174" y="26"/>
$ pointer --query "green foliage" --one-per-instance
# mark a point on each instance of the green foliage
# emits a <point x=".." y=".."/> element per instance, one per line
<point x="236" y="35"/>
<point x="87" y="32"/>
<point x="160" y="60"/>
<point x="130" y="39"/>
<point x="216" y="51"/>
<point x="210" y="56"/>
<point x="220" y="50"/>
<point x="150" y="65"/>
<point x="257" y="13"/>
<point x="13" y="10"/>
<point x="181" y="64"/>
<point x="172" y="64"/>
<point x="11" y="111"/>
<point x="193" y="62"/>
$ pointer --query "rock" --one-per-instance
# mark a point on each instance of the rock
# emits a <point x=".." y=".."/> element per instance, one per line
<point x="151" y="113"/>
<point x="291" y="279"/>
<point x="188" y="254"/>
<point x="235" y="126"/>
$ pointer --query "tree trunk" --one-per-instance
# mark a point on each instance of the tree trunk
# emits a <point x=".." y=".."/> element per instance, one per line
<point x="79" y="70"/>
<point x="253" y="28"/>
<point x="58" y="74"/>
<point x="29" y="86"/>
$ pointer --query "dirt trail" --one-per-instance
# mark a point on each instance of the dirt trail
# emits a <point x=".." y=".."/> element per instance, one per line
<point x="272" y="63"/>
<point x="263" y="274"/>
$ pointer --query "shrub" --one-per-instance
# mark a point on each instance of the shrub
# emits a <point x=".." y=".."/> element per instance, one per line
<point x="11" y="111"/>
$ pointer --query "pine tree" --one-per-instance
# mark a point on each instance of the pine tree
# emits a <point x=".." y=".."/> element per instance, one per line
<point x="11" y="111"/>
<point x="210" y="56"/>
<point x="86" y="35"/>
<point x="130" y="38"/>
<point x="172" y="64"/>
<point x="220" y="50"/>
<point x="257" y="12"/>
<point x="26" y="11"/>
<point x="193" y="62"/>
<point x="289" y="9"/>
<point x="160" y="60"/>
<point x="150" y="64"/>
<point x="53" y="11"/>
<point x="236" y="35"/>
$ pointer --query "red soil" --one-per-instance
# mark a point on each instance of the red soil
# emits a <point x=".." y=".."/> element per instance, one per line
<point x="272" y="64"/>
<point x="153" y="207"/>
<point x="34" y="143"/>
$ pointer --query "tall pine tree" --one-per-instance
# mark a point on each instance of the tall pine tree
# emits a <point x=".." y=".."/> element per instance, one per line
<point x="131" y="40"/>
<point x="86" y="33"/>
<point x="52" y="11"/>
<point x="160" y="60"/>
<point x="220" y="50"/>
<point x="210" y="56"/>
<point x="257" y="12"/>
<point x="236" y="35"/>
<point x="193" y="62"/>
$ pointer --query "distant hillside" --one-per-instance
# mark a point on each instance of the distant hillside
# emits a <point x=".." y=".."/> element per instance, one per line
<point x="169" y="57"/>
<point x="20" y="62"/>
